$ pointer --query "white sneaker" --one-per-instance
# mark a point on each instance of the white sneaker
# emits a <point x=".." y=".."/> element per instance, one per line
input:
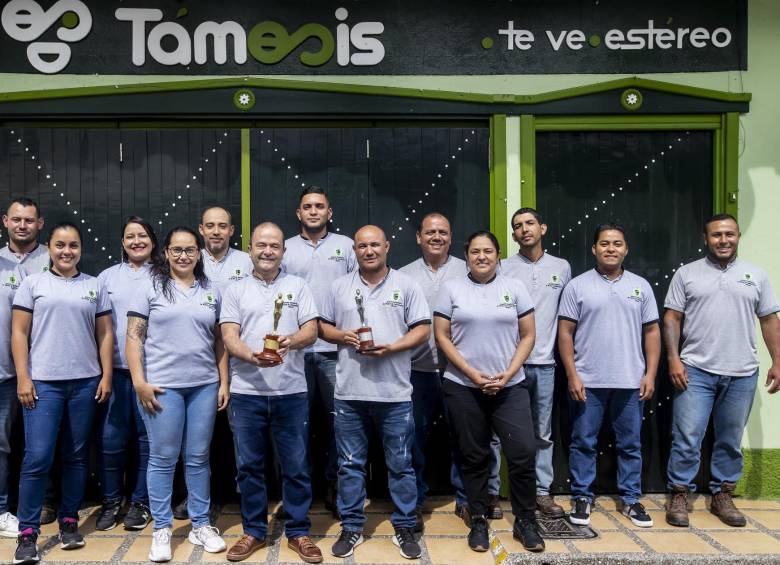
<point x="161" y="545"/>
<point x="208" y="537"/>
<point x="9" y="525"/>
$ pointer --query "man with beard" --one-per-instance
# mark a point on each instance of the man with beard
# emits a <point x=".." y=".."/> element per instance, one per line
<point x="223" y="264"/>
<point x="713" y="303"/>
<point x="319" y="257"/>
<point x="24" y="222"/>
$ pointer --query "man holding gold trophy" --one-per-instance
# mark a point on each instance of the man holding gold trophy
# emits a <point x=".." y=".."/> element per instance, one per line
<point x="267" y="320"/>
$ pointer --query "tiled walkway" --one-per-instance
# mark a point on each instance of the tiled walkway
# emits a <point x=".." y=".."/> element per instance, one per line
<point x="707" y="541"/>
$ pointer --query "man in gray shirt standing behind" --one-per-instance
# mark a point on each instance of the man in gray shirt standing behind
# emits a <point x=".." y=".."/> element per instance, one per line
<point x="223" y="264"/>
<point x="429" y="271"/>
<point x="319" y="257"/>
<point x="713" y="304"/>
<point x="24" y="222"/>
<point x="544" y="276"/>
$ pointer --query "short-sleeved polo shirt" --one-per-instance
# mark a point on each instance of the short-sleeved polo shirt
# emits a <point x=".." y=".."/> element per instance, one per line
<point x="720" y="307"/>
<point x="392" y="308"/>
<point x="234" y="266"/>
<point x="9" y="284"/>
<point x="319" y="265"/>
<point x="36" y="261"/>
<point x="544" y="279"/>
<point x="62" y="338"/>
<point x="426" y="357"/>
<point x="484" y="327"/>
<point x="250" y="304"/>
<point x="121" y="282"/>
<point x="179" y="348"/>
<point x="610" y="317"/>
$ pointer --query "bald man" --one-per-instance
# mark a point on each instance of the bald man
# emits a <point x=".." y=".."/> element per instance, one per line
<point x="373" y="388"/>
<point x="223" y="265"/>
<point x="267" y="397"/>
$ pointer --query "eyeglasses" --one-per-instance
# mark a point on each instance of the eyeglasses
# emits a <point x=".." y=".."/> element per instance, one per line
<point x="189" y="251"/>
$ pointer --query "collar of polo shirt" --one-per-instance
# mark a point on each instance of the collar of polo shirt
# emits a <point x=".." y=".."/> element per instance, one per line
<point x="475" y="281"/>
<point x="716" y="264"/>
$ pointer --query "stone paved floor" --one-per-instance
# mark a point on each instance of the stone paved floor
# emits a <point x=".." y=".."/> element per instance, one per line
<point x="706" y="541"/>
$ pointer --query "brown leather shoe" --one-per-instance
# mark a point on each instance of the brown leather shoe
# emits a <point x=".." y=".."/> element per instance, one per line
<point x="677" y="511"/>
<point x="305" y="549"/>
<point x="547" y="507"/>
<point x="494" y="511"/>
<point x="723" y="507"/>
<point x="245" y="547"/>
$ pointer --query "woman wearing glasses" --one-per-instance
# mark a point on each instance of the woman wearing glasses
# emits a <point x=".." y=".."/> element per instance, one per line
<point x="119" y="421"/>
<point x="179" y="369"/>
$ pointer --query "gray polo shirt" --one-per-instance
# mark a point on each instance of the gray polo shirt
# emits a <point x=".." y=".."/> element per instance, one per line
<point x="392" y="308"/>
<point x="319" y="265"/>
<point x="234" y="266"/>
<point x="484" y="325"/>
<point x="9" y="283"/>
<point x="36" y="261"/>
<point x="426" y="357"/>
<point x="544" y="280"/>
<point x="179" y="348"/>
<point x="720" y="306"/>
<point x="62" y="338"/>
<point x="250" y="304"/>
<point x="121" y="282"/>
<point x="610" y="316"/>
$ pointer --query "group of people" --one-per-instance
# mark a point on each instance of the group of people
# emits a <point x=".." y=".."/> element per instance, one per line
<point x="151" y="349"/>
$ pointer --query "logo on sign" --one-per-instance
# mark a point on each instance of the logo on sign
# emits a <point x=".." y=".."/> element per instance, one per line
<point x="26" y="21"/>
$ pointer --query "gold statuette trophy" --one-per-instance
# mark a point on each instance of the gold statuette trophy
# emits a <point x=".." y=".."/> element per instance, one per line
<point x="365" y="335"/>
<point x="270" y="352"/>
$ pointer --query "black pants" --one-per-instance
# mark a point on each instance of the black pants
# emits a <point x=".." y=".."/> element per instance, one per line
<point x="474" y="416"/>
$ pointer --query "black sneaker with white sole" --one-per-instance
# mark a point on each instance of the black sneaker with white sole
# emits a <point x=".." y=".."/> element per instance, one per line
<point x="404" y="539"/>
<point x="70" y="538"/>
<point x="346" y="543"/>
<point x="107" y="515"/>
<point x="138" y="516"/>
<point x="26" y="548"/>
<point x="638" y="515"/>
<point x="580" y="514"/>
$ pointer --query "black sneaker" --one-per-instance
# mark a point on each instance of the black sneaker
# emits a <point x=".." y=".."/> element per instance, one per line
<point x="107" y="515"/>
<point x="637" y="514"/>
<point x="180" y="511"/>
<point x="580" y="514"/>
<point x="404" y="539"/>
<point x="478" y="536"/>
<point x="494" y="511"/>
<point x="70" y="538"/>
<point x="138" y="516"/>
<point x="419" y="525"/>
<point x="26" y="548"/>
<point x="526" y="531"/>
<point x="346" y="543"/>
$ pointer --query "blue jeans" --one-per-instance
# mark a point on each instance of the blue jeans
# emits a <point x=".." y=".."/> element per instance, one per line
<point x="65" y="409"/>
<point x="9" y="404"/>
<point x="287" y="418"/>
<point x="729" y="400"/>
<point x="320" y="371"/>
<point x="625" y="415"/>
<point x="119" y="425"/>
<point x="541" y="385"/>
<point x="184" y="424"/>
<point x="394" y="420"/>
<point x="426" y="398"/>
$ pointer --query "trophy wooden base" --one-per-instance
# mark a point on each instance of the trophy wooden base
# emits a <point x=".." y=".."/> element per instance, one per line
<point x="366" y="337"/>
<point x="270" y="350"/>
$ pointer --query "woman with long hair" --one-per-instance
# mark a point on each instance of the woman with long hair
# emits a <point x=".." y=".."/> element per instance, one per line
<point x="484" y="325"/>
<point x="62" y="343"/>
<point x="120" y="427"/>
<point x="179" y="368"/>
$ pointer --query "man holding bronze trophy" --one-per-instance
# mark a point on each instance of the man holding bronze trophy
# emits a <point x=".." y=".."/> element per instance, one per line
<point x="267" y="320"/>
<point x="376" y="316"/>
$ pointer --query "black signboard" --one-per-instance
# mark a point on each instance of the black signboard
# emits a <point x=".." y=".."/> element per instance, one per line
<point x="394" y="37"/>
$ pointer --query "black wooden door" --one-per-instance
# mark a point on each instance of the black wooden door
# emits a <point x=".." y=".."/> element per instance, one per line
<point x="658" y="185"/>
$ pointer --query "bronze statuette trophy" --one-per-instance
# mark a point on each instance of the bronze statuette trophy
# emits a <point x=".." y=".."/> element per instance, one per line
<point x="270" y="352"/>
<point x="365" y="334"/>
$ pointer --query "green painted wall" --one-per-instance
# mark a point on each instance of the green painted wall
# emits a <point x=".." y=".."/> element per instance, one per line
<point x="759" y="173"/>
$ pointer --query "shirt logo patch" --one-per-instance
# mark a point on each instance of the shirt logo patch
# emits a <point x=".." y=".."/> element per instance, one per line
<point x="12" y="281"/>
<point x="91" y="296"/>
<point x="237" y="275"/>
<point x="747" y="279"/>
<point x="636" y="295"/>
<point x="45" y="268"/>
<point x="555" y="281"/>
<point x="289" y="299"/>
<point x="507" y="300"/>
<point x="396" y="299"/>
<point x="338" y="255"/>
<point x="210" y="302"/>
